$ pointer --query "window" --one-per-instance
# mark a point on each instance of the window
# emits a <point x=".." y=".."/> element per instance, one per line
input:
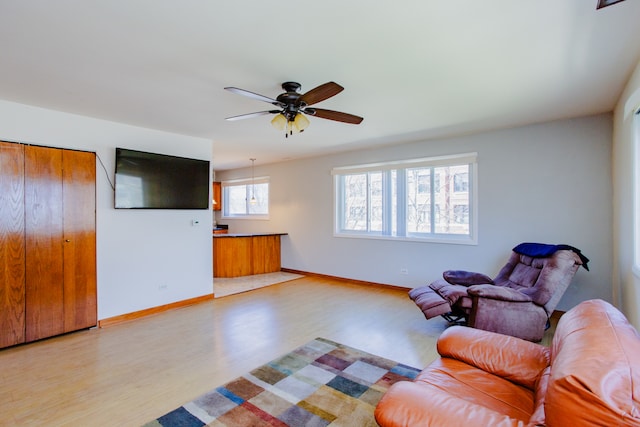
<point x="246" y="198"/>
<point x="420" y="199"/>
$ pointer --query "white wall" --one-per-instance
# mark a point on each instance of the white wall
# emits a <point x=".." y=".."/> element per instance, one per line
<point x="626" y="283"/>
<point x="543" y="183"/>
<point x="139" y="250"/>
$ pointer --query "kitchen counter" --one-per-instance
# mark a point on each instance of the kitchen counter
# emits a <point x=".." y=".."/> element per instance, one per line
<point x="248" y="234"/>
<point x="245" y="254"/>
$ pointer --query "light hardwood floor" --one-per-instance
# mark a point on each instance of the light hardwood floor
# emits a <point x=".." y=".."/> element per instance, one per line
<point x="131" y="373"/>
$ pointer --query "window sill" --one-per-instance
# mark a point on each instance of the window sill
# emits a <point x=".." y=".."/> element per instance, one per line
<point x="444" y="240"/>
<point x="251" y="217"/>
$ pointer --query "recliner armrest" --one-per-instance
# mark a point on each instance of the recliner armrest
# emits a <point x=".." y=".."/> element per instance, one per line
<point x="514" y="359"/>
<point x="466" y="278"/>
<point x="498" y="292"/>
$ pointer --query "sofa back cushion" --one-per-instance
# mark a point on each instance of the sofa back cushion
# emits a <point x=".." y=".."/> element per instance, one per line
<point x="595" y="369"/>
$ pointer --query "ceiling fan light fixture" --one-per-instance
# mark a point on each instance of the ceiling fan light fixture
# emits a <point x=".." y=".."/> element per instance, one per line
<point x="301" y="122"/>
<point x="296" y="125"/>
<point x="292" y="127"/>
<point x="279" y="122"/>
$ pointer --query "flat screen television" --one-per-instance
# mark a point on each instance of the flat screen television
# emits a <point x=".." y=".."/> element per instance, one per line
<point x="158" y="181"/>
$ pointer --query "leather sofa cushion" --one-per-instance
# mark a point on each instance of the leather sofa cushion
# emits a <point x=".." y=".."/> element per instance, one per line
<point x="518" y="361"/>
<point x="595" y="368"/>
<point x="479" y="388"/>
<point x="451" y="393"/>
<point x="411" y="404"/>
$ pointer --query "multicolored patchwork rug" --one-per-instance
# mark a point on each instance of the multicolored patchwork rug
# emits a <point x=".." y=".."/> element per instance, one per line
<point x="321" y="383"/>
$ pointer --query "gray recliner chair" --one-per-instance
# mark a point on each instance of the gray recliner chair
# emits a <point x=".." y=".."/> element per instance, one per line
<point x="517" y="302"/>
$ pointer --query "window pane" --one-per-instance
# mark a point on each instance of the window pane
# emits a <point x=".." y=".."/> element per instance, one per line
<point x="236" y="200"/>
<point x="461" y="182"/>
<point x="453" y="214"/>
<point x="260" y="192"/>
<point x="355" y="202"/>
<point x="375" y="201"/>
<point x="418" y="190"/>
<point x="393" y="199"/>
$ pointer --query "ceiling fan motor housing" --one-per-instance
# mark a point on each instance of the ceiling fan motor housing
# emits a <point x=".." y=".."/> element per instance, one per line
<point x="291" y="100"/>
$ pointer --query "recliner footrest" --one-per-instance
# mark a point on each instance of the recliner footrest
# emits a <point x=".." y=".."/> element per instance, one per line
<point x="431" y="304"/>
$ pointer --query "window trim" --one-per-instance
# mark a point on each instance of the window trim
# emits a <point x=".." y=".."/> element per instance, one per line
<point x="635" y="123"/>
<point x="246" y="182"/>
<point x="447" y="160"/>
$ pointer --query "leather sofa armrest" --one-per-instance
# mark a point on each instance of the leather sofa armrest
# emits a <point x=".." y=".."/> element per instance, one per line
<point x="466" y="278"/>
<point x="501" y="293"/>
<point x="410" y="404"/>
<point x="514" y="359"/>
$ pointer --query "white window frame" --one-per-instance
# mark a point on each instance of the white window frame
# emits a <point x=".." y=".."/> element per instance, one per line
<point x="469" y="159"/>
<point x="248" y="182"/>
<point x="636" y="191"/>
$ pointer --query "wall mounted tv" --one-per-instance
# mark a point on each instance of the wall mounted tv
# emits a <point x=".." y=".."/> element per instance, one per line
<point x="157" y="181"/>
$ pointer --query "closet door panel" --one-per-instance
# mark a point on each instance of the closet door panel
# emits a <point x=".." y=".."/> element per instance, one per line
<point x="44" y="240"/>
<point x="12" y="246"/>
<point x="79" y="200"/>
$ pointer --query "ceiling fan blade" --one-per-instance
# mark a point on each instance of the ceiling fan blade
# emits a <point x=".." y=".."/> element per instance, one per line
<point x="321" y="93"/>
<point x="250" y="115"/>
<point x="253" y="95"/>
<point x="334" y="115"/>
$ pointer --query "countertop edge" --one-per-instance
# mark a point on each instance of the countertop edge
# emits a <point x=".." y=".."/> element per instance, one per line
<point x="217" y="236"/>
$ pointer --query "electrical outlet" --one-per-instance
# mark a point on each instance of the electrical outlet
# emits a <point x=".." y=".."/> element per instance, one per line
<point x="404" y="270"/>
<point x="163" y="287"/>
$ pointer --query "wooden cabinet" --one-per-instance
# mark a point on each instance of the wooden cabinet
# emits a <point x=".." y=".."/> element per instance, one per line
<point x="217" y="196"/>
<point x="245" y="255"/>
<point x="231" y="256"/>
<point x="265" y="254"/>
<point x="47" y="233"/>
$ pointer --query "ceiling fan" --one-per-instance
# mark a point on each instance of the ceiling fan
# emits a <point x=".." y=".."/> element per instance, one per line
<point x="293" y="106"/>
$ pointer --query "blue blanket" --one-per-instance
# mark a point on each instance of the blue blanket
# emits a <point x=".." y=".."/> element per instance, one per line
<point x="542" y="250"/>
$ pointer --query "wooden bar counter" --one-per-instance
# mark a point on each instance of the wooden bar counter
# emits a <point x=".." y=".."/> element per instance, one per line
<point x="236" y="255"/>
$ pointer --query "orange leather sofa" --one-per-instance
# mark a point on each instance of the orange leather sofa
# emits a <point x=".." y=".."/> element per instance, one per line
<point x="589" y="376"/>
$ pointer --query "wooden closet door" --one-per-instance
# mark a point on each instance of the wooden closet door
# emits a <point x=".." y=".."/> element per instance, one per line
<point x="12" y="246"/>
<point x="44" y="240"/>
<point x="79" y="196"/>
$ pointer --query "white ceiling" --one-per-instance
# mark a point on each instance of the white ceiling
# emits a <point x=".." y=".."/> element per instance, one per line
<point x="414" y="69"/>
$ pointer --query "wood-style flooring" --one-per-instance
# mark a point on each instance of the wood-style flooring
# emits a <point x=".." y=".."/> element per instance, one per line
<point x="134" y="372"/>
